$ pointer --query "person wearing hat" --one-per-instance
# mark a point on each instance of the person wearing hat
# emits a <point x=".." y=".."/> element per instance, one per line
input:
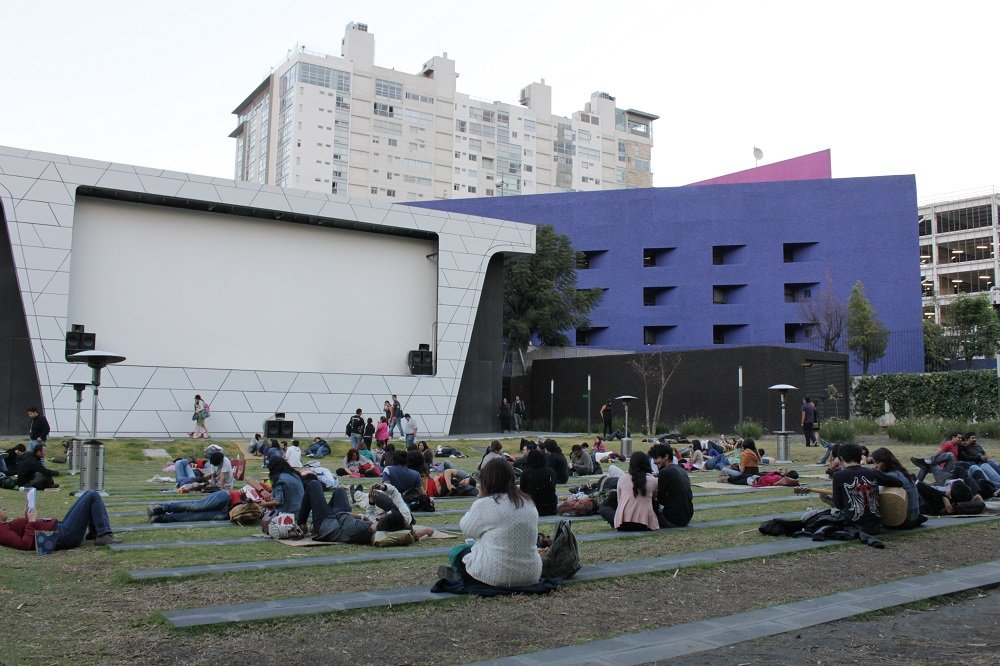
<point x="855" y="490"/>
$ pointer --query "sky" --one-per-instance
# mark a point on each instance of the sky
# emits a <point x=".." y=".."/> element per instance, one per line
<point x="891" y="87"/>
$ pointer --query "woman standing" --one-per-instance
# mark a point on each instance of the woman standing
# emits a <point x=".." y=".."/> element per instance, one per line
<point x="200" y="414"/>
<point x="636" y="490"/>
<point x="504" y="524"/>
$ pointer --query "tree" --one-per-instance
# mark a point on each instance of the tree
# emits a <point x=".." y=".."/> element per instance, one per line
<point x="825" y="315"/>
<point x="867" y="338"/>
<point x="976" y="326"/>
<point x="655" y="369"/>
<point x="935" y="344"/>
<point x="540" y="295"/>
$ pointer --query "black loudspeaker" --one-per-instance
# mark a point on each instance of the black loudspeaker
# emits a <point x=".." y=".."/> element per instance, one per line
<point x="421" y="362"/>
<point x="279" y="429"/>
<point x="79" y="341"/>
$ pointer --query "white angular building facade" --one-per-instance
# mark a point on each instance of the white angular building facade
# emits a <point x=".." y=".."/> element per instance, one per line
<point x="261" y="299"/>
<point x="343" y="125"/>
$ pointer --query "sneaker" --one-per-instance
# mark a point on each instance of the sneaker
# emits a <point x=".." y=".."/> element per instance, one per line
<point x="154" y="510"/>
<point x="191" y="435"/>
<point x="920" y="462"/>
<point x="155" y="519"/>
<point x="106" y="540"/>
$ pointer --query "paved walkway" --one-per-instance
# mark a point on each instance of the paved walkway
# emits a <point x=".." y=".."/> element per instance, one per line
<point x="296" y="606"/>
<point x="685" y="639"/>
<point x="368" y="556"/>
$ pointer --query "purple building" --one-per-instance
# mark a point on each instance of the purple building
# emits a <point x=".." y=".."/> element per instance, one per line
<point x="731" y="264"/>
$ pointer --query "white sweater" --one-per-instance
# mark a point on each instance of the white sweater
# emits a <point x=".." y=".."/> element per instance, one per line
<point x="504" y="553"/>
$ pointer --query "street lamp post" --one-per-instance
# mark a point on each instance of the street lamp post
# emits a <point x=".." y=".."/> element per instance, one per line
<point x="92" y="469"/>
<point x="626" y="439"/>
<point x="782" y="457"/>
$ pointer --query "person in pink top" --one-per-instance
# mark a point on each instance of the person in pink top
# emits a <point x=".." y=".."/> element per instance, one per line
<point x="635" y="510"/>
<point x="382" y="433"/>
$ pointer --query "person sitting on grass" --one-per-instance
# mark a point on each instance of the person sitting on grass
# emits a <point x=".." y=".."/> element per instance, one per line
<point x="503" y="523"/>
<point x="674" y="500"/>
<point x="286" y="487"/>
<point x="887" y="463"/>
<point x="555" y="459"/>
<point x="355" y="467"/>
<point x="580" y="461"/>
<point x="257" y="443"/>
<point x="538" y="481"/>
<point x="633" y="509"/>
<point x="32" y="472"/>
<point x="494" y="450"/>
<point x="86" y="519"/>
<point x="400" y="475"/>
<point x="219" y="470"/>
<point x="855" y="490"/>
<point x="749" y="465"/>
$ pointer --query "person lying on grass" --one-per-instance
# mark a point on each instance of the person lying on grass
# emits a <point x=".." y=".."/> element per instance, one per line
<point x="334" y="520"/>
<point x="86" y="519"/>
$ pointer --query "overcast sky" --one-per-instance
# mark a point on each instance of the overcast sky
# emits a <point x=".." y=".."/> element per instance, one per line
<point x="892" y="87"/>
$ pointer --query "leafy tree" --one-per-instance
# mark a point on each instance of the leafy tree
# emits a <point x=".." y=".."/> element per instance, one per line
<point x="935" y="344"/>
<point x="976" y="326"/>
<point x="655" y="369"/>
<point x="867" y="338"/>
<point x="825" y="315"/>
<point x="540" y="295"/>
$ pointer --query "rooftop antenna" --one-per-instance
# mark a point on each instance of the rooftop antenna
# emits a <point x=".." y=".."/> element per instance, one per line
<point x="758" y="155"/>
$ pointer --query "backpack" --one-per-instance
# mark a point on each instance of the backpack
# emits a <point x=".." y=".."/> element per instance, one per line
<point x="563" y="558"/>
<point x="418" y="501"/>
<point x="8" y="482"/>
<point x="245" y="513"/>
<point x="283" y="526"/>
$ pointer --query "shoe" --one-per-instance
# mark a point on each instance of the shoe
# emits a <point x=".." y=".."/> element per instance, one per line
<point x="155" y="510"/>
<point x="106" y="540"/>
<point x="920" y="462"/>
<point x="155" y="519"/>
<point x="191" y="435"/>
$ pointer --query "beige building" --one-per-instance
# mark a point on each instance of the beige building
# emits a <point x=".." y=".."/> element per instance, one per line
<point x="344" y="125"/>
<point x="958" y="240"/>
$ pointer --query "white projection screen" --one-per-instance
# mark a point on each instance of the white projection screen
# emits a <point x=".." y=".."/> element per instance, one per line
<point x="174" y="287"/>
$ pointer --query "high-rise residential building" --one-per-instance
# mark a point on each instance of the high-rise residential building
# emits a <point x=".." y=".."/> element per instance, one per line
<point x="344" y="125"/>
<point x="958" y="240"/>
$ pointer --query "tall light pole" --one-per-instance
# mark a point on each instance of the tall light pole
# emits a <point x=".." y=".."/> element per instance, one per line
<point x="782" y="457"/>
<point x="92" y="473"/>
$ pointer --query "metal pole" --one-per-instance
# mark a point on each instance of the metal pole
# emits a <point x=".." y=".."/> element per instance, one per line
<point x="93" y="415"/>
<point x="740" y="376"/>
<point x="998" y="382"/>
<point x="588" y="401"/>
<point x="552" y="405"/>
<point x="782" y="411"/>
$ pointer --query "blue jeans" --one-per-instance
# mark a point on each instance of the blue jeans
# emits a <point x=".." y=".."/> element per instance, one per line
<point x="87" y="515"/>
<point x="183" y="472"/>
<point x="826" y="454"/>
<point x="410" y="444"/>
<point x="320" y="450"/>
<point x="3" y="466"/>
<point x="355" y="440"/>
<point x="392" y="426"/>
<point x="718" y="462"/>
<point x="214" y="506"/>
<point x="987" y="471"/>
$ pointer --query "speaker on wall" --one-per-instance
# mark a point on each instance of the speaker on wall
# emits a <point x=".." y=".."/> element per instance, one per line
<point x="421" y="362"/>
<point x="77" y="340"/>
<point x="279" y="429"/>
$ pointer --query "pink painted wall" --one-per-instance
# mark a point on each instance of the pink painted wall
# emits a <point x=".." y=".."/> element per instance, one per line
<point x="815" y="166"/>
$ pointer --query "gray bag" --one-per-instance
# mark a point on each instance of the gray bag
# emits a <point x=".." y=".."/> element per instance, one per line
<point x="563" y="558"/>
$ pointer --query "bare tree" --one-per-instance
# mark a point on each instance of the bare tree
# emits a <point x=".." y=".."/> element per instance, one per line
<point x="655" y="369"/>
<point x="825" y="315"/>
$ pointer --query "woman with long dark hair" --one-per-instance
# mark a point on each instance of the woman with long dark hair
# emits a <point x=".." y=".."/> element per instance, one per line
<point x="539" y="482"/>
<point x="636" y="490"/>
<point x="504" y="524"/>
<point x="748" y="466"/>
<point x="886" y="462"/>
<point x="287" y="486"/>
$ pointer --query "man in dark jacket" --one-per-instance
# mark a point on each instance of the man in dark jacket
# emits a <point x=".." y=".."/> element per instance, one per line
<point x="556" y="460"/>
<point x="674" y="500"/>
<point x="32" y="472"/>
<point x="855" y="490"/>
<point x="971" y="453"/>
<point x="39" y="431"/>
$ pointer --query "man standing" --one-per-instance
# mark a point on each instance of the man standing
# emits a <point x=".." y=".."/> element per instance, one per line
<point x="674" y="500"/>
<point x="605" y="413"/>
<point x="520" y="411"/>
<point x="39" y="430"/>
<point x="410" y="431"/>
<point x="808" y="419"/>
<point x="855" y="490"/>
<point x="356" y="429"/>
<point x="504" y="415"/>
<point x="397" y="417"/>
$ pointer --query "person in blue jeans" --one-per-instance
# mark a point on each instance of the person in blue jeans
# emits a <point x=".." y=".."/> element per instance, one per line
<point x="215" y="506"/>
<point x="86" y="519"/>
<point x="716" y="462"/>
<point x="184" y="471"/>
<point x="318" y="448"/>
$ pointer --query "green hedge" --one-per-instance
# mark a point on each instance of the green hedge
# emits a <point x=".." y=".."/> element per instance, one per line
<point x="963" y="395"/>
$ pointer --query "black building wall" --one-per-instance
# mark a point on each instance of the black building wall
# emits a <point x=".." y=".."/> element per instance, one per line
<point x="705" y="384"/>
<point x="19" y="388"/>
<point x="479" y="392"/>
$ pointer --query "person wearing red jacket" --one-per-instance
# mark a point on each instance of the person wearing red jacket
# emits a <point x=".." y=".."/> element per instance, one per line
<point x="942" y="463"/>
<point x="86" y="518"/>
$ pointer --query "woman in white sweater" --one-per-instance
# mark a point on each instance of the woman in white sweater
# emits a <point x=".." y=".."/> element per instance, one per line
<point x="504" y="524"/>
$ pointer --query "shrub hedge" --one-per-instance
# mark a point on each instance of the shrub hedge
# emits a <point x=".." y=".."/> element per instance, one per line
<point x="964" y="395"/>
